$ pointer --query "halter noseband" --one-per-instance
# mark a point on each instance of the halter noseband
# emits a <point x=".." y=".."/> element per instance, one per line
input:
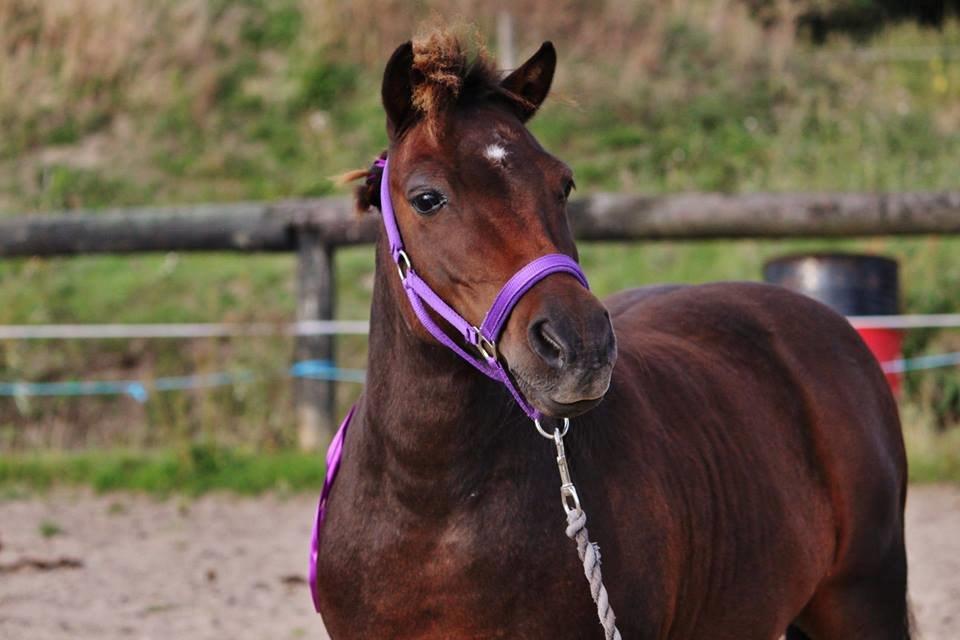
<point x="483" y="338"/>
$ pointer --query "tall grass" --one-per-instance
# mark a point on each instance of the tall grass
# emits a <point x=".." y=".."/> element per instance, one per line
<point x="113" y="102"/>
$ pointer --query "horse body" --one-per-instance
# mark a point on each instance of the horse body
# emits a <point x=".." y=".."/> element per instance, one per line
<point x="717" y="475"/>
<point x="744" y="471"/>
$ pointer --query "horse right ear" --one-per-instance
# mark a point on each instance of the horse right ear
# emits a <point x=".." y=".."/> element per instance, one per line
<point x="397" y="89"/>
<point x="530" y="83"/>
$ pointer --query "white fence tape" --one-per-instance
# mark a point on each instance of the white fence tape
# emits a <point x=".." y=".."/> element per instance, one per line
<point x="908" y="321"/>
<point x="339" y="327"/>
<point x="196" y="330"/>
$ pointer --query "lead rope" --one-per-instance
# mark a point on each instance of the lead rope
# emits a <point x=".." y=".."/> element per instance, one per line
<point x="588" y="551"/>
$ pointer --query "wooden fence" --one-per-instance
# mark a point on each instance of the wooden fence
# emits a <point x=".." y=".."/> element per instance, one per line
<point x="315" y="228"/>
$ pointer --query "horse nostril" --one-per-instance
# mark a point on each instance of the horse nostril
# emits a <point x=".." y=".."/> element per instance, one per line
<point x="548" y="344"/>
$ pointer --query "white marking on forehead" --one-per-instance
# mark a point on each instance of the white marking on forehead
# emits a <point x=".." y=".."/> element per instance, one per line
<point x="495" y="153"/>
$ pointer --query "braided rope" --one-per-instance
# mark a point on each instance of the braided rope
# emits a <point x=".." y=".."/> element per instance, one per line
<point x="589" y="554"/>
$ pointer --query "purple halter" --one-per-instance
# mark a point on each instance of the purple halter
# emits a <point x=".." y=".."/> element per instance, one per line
<point x="483" y="338"/>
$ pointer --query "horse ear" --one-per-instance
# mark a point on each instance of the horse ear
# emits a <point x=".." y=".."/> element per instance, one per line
<point x="397" y="89"/>
<point x="531" y="82"/>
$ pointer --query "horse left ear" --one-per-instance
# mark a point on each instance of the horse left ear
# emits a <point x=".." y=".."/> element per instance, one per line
<point x="531" y="82"/>
<point x="397" y="90"/>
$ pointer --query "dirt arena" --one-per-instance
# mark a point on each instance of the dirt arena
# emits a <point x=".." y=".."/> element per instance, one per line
<point x="78" y="566"/>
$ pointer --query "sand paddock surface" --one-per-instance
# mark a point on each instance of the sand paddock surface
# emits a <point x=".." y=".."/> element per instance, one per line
<point x="230" y="567"/>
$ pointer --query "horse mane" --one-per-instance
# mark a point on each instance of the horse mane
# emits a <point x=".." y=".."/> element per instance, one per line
<point x="366" y="194"/>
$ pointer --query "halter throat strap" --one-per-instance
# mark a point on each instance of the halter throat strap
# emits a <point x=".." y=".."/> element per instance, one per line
<point x="483" y="338"/>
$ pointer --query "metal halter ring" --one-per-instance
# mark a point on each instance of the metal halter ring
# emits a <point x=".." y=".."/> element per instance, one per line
<point x="403" y="264"/>
<point x="550" y="436"/>
<point x="487" y="348"/>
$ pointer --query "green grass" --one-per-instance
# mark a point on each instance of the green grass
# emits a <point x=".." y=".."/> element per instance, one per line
<point x="194" y="471"/>
<point x="933" y="452"/>
<point x="933" y="458"/>
<point x="272" y="101"/>
<point x="49" y="529"/>
<point x="935" y="468"/>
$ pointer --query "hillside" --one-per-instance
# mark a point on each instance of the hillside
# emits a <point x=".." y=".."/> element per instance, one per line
<point x="122" y="102"/>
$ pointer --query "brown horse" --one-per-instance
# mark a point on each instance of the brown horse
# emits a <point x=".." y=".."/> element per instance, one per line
<point x="737" y="449"/>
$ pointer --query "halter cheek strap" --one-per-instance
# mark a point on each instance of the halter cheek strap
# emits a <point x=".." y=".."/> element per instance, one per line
<point x="483" y="338"/>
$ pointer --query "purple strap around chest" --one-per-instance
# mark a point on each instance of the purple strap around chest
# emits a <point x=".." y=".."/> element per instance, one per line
<point x="483" y="339"/>
<point x="334" y="455"/>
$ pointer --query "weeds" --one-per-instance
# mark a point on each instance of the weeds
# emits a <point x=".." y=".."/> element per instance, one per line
<point x="195" y="470"/>
<point x="49" y="529"/>
<point x="116" y="102"/>
<point x="933" y="457"/>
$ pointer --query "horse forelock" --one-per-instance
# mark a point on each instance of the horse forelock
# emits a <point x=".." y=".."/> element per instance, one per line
<point x="445" y="75"/>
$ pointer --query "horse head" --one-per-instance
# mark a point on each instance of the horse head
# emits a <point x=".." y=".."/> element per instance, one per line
<point x="476" y="198"/>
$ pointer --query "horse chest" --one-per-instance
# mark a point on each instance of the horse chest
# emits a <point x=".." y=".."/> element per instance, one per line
<point x="475" y="577"/>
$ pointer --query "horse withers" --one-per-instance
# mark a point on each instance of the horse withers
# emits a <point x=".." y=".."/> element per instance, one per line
<point x="735" y="445"/>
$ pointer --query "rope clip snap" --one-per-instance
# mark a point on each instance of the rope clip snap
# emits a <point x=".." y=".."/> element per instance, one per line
<point x="568" y="492"/>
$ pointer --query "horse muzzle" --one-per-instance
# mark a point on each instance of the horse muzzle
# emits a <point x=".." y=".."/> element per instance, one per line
<point x="569" y="354"/>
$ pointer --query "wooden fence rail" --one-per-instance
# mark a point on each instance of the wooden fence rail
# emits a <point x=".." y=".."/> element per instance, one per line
<point x="315" y="228"/>
<point x="603" y="216"/>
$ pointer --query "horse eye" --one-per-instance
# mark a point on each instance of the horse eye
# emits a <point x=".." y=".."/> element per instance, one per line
<point x="567" y="188"/>
<point x="428" y="202"/>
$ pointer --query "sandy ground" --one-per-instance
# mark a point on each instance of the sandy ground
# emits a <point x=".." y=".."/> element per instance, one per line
<point x="227" y="567"/>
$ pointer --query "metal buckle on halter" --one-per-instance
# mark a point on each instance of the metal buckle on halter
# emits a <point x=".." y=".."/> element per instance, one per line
<point x="486" y="348"/>
<point x="403" y="265"/>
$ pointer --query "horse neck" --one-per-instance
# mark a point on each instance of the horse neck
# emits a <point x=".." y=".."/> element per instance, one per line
<point x="428" y="416"/>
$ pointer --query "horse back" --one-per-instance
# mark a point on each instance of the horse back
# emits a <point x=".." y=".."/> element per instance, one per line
<point x="820" y="361"/>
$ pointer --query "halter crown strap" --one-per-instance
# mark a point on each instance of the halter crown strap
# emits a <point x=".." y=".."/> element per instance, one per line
<point x="422" y="297"/>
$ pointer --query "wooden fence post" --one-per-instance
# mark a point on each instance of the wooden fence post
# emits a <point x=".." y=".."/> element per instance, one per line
<point x="315" y="399"/>
<point x="506" y="57"/>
